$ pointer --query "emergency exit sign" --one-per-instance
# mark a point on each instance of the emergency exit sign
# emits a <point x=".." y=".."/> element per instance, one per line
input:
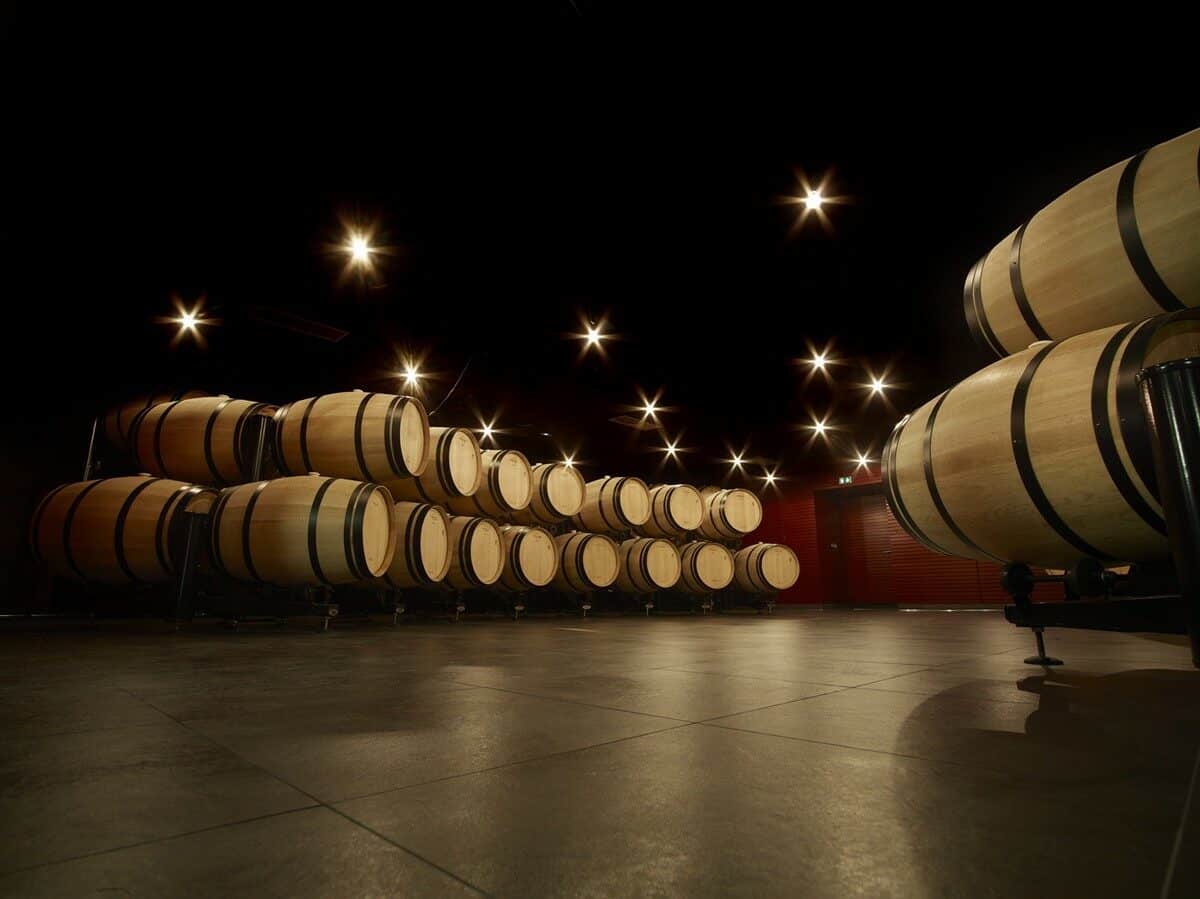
<point x="846" y="479"/>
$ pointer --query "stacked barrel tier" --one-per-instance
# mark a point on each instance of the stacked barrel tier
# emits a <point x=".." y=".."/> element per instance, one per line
<point x="705" y="567"/>
<point x="422" y="556"/>
<point x="1043" y="457"/>
<point x="205" y="440"/>
<point x="729" y="514"/>
<point x="557" y="494"/>
<point x="118" y="420"/>
<point x="586" y="562"/>
<point x="613" y="505"/>
<point x="303" y="531"/>
<point x="765" y="568"/>
<point x="377" y="437"/>
<point x="506" y="487"/>
<point x="476" y="554"/>
<point x="530" y="558"/>
<point x="453" y="469"/>
<point x="647" y="564"/>
<point x="1117" y="247"/>
<point x="675" y="509"/>
<point x="116" y="530"/>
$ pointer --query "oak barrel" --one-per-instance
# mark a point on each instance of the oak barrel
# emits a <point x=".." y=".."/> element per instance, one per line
<point x="586" y="562"/>
<point x="422" y="555"/>
<point x="647" y="564"/>
<point x="729" y="514"/>
<point x="1118" y="247"/>
<point x="303" y="531"/>
<point x="377" y="437"/>
<point x="705" y="567"/>
<point x="613" y="505"/>
<point x="765" y="568"/>
<point x="530" y="558"/>
<point x="205" y="440"/>
<point x="558" y="491"/>
<point x="675" y="509"/>
<point x="1043" y="457"/>
<point x="116" y="530"/>
<point x="506" y="486"/>
<point x="476" y="553"/>
<point x="454" y="469"/>
<point x="119" y="419"/>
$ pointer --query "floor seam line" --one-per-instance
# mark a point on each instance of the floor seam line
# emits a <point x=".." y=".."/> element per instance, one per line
<point x="590" y="705"/>
<point x="153" y="841"/>
<point x="918" y="758"/>
<point x="320" y="802"/>
<point x="526" y="761"/>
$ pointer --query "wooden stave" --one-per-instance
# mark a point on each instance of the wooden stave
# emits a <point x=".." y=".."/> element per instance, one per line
<point x="1102" y="425"/>
<point x="1131" y="230"/>
<point x="633" y="572"/>
<point x="664" y="520"/>
<point x="572" y="576"/>
<point x="716" y="525"/>
<point x="609" y="492"/>
<point x="514" y="578"/>
<point x="62" y="554"/>
<point x="749" y="568"/>
<point x="489" y="500"/>
<point x="436" y="484"/>
<point x="690" y="579"/>
<point x="338" y="448"/>
<point x="408" y="569"/>
<point x="214" y="439"/>
<point x="542" y="509"/>
<point x="233" y="535"/>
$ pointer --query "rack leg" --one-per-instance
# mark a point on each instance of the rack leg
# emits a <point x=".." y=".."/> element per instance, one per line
<point x="257" y="468"/>
<point x="90" y="463"/>
<point x="185" y="590"/>
<point x="1171" y="401"/>
<point x="1041" y="658"/>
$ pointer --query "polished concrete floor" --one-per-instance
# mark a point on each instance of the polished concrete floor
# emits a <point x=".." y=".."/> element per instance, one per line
<point x="806" y="754"/>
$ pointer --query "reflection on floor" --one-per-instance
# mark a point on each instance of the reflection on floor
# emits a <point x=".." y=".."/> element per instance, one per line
<point x="806" y="754"/>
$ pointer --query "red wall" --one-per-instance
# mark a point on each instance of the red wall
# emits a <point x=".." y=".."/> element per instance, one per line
<point x="853" y="551"/>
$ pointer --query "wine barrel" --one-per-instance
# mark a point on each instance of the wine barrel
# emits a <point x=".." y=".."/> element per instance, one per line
<point x="530" y="558"/>
<point x="119" y="419"/>
<point x="765" y="568"/>
<point x="454" y="469"/>
<point x="476" y="553"/>
<point x="506" y="486"/>
<point x="377" y="437"/>
<point x="675" y="509"/>
<point x="114" y="531"/>
<point x="1117" y="247"/>
<point x="1043" y="457"/>
<point x="422" y="546"/>
<point x="729" y="514"/>
<point x="706" y="567"/>
<point x="586" y="562"/>
<point x="613" y="506"/>
<point x="205" y="440"/>
<point x="303" y="531"/>
<point x="647" y="564"/>
<point x="557" y="494"/>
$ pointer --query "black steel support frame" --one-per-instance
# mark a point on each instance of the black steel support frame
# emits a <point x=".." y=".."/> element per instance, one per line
<point x="1170" y="394"/>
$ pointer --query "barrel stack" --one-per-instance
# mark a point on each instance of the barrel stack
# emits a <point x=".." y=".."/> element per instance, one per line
<point x="1045" y="457"/>
<point x="355" y="488"/>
